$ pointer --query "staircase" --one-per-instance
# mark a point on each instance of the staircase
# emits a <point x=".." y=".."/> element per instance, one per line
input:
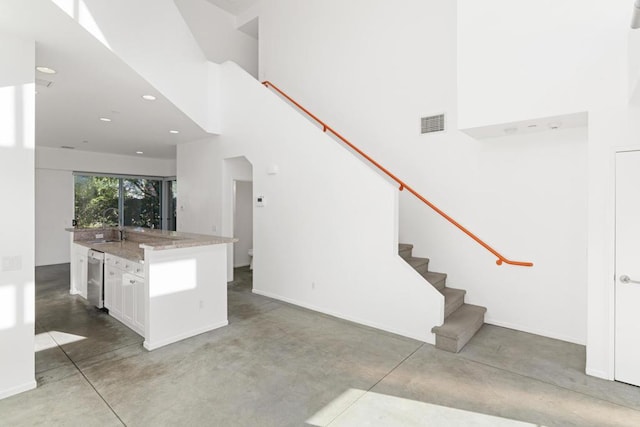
<point x="461" y="321"/>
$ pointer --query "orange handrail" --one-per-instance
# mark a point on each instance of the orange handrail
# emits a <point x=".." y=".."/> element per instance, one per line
<point x="402" y="185"/>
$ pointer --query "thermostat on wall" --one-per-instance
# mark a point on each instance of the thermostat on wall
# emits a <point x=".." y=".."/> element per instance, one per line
<point x="260" y="201"/>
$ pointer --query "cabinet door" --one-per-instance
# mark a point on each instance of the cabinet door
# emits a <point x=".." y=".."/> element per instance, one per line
<point x="139" y="312"/>
<point x="82" y="274"/>
<point x="113" y="291"/>
<point x="128" y="299"/>
<point x="78" y="279"/>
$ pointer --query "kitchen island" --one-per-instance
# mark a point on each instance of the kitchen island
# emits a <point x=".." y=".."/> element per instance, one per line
<point x="165" y="285"/>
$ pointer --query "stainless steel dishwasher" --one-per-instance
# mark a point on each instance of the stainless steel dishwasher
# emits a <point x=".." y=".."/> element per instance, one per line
<point x="95" y="278"/>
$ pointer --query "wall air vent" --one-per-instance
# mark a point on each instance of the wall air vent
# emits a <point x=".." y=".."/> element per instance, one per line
<point x="432" y="124"/>
<point x="66" y="147"/>
<point x="43" y="82"/>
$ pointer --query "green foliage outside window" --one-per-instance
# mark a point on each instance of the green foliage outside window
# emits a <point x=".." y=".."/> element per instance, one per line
<point x="95" y="198"/>
<point x="97" y="201"/>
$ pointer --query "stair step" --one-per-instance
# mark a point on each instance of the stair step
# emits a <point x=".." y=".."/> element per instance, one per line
<point x="459" y="327"/>
<point x="421" y="265"/>
<point x="453" y="299"/>
<point x="404" y="250"/>
<point x="438" y="280"/>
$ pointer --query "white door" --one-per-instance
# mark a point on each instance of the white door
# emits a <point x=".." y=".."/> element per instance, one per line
<point x="627" y="277"/>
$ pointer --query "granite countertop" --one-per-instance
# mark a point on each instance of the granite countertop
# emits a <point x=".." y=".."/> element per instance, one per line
<point x="157" y="240"/>
<point x="125" y="249"/>
<point x="138" y="239"/>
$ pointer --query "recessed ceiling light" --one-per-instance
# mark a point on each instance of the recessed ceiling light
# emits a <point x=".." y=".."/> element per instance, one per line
<point x="139" y="152"/>
<point x="174" y="131"/>
<point x="149" y="97"/>
<point x="46" y="70"/>
<point x="104" y="119"/>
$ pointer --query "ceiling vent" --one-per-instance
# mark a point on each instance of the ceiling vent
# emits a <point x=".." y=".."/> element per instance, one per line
<point x="432" y="124"/>
<point x="43" y="82"/>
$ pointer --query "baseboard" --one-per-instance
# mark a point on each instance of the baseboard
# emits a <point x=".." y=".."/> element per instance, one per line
<point x="19" y="389"/>
<point x="599" y="374"/>
<point x="534" y="331"/>
<point x="428" y="337"/>
<point x="161" y="343"/>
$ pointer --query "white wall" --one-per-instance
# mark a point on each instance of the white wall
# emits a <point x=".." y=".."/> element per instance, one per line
<point x="55" y="186"/>
<point x="372" y="76"/>
<point x="568" y="56"/>
<point x="526" y="196"/>
<point x="502" y="58"/>
<point x="17" y="296"/>
<point x="198" y="202"/>
<point x="327" y="236"/>
<point x="215" y="31"/>
<point x="243" y="223"/>
<point x="54" y="212"/>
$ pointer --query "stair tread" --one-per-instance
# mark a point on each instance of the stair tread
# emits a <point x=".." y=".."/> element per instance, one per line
<point x="404" y="246"/>
<point x="417" y="262"/>
<point x="453" y="292"/>
<point x="434" y="277"/>
<point x="459" y="322"/>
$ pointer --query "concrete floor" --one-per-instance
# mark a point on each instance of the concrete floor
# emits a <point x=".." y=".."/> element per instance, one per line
<point x="280" y="365"/>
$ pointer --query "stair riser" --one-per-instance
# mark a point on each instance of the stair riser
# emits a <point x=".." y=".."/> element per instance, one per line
<point x="422" y="269"/>
<point x="452" y="305"/>
<point x="455" y="345"/>
<point x="406" y="253"/>
<point x="439" y="285"/>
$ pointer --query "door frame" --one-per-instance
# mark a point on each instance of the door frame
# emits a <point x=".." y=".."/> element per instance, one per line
<point x="231" y="172"/>
<point x="612" y="276"/>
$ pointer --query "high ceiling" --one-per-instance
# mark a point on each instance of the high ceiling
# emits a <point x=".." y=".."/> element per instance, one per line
<point x="91" y="82"/>
<point x="234" y="7"/>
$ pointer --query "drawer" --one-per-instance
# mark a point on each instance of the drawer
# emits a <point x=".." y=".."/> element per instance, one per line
<point x="124" y="264"/>
<point x="134" y="268"/>
<point x="115" y="261"/>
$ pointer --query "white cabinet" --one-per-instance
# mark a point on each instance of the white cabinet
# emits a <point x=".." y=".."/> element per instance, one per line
<point x="128" y="298"/>
<point x="78" y="277"/>
<point x="134" y="302"/>
<point x="139" y="313"/>
<point x="113" y="289"/>
<point x="124" y="291"/>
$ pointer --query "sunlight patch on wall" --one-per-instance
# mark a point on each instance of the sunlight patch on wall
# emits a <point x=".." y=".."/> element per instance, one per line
<point x="8" y="114"/>
<point x="17" y="103"/>
<point x="172" y="277"/>
<point x="78" y="10"/>
<point x="7" y="306"/>
<point x="29" y="309"/>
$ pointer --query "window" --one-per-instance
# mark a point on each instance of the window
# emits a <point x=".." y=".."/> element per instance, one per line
<point x="142" y="202"/>
<point x="96" y="200"/>
<point x="124" y="200"/>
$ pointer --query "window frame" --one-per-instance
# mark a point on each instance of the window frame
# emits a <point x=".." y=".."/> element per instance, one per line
<point x="121" y="196"/>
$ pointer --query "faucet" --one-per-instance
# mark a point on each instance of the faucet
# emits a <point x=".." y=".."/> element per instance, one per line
<point x="104" y="216"/>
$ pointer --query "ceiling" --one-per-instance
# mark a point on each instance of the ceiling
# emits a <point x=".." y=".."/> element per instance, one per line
<point x="234" y="7"/>
<point x="91" y="82"/>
